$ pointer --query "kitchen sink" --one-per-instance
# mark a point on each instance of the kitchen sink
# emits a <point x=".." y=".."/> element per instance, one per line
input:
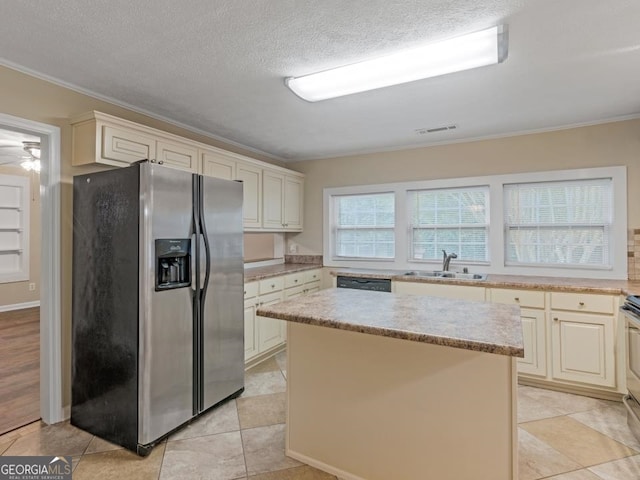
<point x="441" y="274"/>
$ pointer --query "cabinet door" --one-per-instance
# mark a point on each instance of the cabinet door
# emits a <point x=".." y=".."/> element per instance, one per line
<point x="216" y="165"/>
<point x="252" y="194"/>
<point x="440" y="290"/>
<point x="273" y="200"/>
<point x="250" y="337"/>
<point x="293" y="198"/>
<point x="583" y="348"/>
<point x="126" y="146"/>
<point x="533" y="336"/>
<point x="269" y="329"/>
<point x="177" y="155"/>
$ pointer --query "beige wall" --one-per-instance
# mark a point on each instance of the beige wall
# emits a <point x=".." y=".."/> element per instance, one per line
<point x="34" y="99"/>
<point x="18" y="292"/>
<point x="602" y="145"/>
<point x="258" y="246"/>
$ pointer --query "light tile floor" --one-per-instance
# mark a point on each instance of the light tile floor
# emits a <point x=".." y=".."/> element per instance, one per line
<point x="561" y="437"/>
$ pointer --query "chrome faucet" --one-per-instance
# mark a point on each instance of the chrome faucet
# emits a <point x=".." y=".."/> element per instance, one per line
<point x="446" y="260"/>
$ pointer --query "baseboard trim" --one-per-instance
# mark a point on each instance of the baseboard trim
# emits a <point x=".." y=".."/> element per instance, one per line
<point x="264" y="356"/>
<point x="341" y="474"/>
<point x="19" y="306"/>
<point x="576" y="390"/>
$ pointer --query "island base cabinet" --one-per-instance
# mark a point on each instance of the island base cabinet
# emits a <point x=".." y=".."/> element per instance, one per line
<point x="583" y="348"/>
<point x="362" y="406"/>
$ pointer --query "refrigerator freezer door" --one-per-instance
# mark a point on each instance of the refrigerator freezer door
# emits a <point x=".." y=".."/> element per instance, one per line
<point x="166" y="316"/>
<point x="222" y="369"/>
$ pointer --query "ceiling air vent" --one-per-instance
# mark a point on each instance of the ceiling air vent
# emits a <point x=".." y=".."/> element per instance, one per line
<point x="423" y="131"/>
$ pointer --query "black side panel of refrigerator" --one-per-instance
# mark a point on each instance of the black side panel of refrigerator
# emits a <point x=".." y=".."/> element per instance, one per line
<point x="104" y="396"/>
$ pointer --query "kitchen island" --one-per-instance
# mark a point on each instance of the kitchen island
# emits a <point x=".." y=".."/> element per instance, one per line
<point x="384" y="386"/>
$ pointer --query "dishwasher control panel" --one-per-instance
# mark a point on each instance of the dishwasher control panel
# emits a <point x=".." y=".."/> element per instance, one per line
<point x="359" y="283"/>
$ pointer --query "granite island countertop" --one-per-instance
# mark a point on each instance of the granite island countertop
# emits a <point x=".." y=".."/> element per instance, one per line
<point x="480" y="326"/>
<point x="526" y="282"/>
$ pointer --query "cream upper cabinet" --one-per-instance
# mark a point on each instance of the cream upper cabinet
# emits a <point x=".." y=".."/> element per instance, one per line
<point x="273" y="196"/>
<point x="125" y="146"/>
<point x="216" y="164"/>
<point x="293" y="202"/>
<point x="273" y="208"/>
<point x="102" y="138"/>
<point x="283" y="196"/>
<point x="177" y="154"/>
<point x="252" y="195"/>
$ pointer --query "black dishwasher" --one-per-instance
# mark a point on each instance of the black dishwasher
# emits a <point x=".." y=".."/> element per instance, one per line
<point x="359" y="283"/>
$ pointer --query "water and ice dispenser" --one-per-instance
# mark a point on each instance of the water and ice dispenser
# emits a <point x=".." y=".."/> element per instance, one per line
<point x="173" y="263"/>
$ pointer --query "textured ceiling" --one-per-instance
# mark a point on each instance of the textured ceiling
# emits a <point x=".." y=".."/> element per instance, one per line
<point x="219" y="66"/>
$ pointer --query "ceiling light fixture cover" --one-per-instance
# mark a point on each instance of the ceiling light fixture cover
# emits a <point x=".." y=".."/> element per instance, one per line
<point x="32" y="148"/>
<point x="478" y="49"/>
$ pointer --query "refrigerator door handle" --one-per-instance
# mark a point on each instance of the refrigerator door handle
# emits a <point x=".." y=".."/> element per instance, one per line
<point x="207" y="253"/>
<point x="194" y="238"/>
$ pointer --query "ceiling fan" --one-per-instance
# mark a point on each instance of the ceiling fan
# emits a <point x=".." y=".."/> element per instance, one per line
<point x="16" y="153"/>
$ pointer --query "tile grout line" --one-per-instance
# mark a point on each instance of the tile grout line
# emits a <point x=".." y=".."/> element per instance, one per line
<point x="244" y="456"/>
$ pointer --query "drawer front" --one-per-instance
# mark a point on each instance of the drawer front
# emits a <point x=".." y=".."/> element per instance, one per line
<point x="524" y="298"/>
<point x="270" y="298"/>
<point x="293" y="280"/>
<point x="582" y="302"/>
<point x="294" y="292"/>
<point x="312" y="287"/>
<point x="250" y="289"/>
<point x="269" y="285"/>
<point x="126" y="146"/>
<point x="312" y="276"/>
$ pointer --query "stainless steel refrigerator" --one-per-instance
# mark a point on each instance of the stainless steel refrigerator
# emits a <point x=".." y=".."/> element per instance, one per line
<point x="158" y="280"/>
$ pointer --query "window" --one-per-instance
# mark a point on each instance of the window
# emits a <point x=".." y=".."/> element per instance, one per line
<point x="563" y="223"/>
<point x="14" y="228"/>
<point x="365" y="226"/>
<point x="455" y="220"/>
<point x="568" y="223"/>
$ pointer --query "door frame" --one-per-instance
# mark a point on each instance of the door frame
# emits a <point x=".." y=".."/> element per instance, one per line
<point x="51" y="408"/>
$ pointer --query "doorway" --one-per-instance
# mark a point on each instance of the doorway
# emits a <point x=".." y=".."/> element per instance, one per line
<point x="48" y="189"/>
<point x="20" y="239"/>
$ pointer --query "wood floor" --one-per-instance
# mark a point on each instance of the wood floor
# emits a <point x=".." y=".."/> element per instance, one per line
<point x="19" y="368"/>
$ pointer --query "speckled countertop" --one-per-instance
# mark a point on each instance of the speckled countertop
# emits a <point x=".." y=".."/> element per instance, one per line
<point x="480" y="326"/>
<point x="556" y="284"/>
<point x="259" y="273"/>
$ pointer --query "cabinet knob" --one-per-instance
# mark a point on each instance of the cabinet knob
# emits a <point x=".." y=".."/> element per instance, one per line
<point x="581" y="304"/>
<point x="555" y="319"/>
<point x="517" y="299"/>
<point x="245" y="292"/>
<point x="273" y="285"/>
<point x="295" y="281"/>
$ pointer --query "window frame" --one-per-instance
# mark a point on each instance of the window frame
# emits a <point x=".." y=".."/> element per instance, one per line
<point x="486" y="226"/>
<point x="335" y="228"/>
<point x="607" y="227"/>
<point x="497" y="238"/>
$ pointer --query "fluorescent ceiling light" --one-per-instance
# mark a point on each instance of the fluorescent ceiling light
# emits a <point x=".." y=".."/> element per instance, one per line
<point x="478" y="49"/>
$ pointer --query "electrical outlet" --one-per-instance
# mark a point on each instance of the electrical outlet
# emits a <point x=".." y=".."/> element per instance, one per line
<point x="293" y="248"/>
<point x="32" y="287"/>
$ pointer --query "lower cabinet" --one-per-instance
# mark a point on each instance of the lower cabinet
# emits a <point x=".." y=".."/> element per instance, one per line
<point x="583" y="348"/>
<point x="533" y="317"/>
<point x="262" y="334"/>
<point x="533" y="337"/>
<point x="570" y="339"/>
